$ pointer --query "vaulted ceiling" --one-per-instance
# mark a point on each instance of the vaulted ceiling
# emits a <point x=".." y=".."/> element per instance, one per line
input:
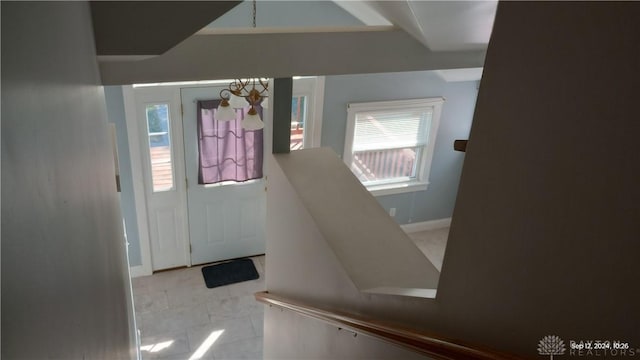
<point x="442" y="25"/>
<point x="444" y="35"/>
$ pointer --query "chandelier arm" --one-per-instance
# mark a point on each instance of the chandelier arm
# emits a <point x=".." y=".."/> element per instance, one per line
<point x="234" y="87"/>
<point x="247" y="88"/>
<point x="228" y="94"/>
<point x="265" y="86"/>
<point x="243" y="88"/>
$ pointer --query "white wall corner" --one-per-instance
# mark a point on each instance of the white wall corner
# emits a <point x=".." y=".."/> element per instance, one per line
<point x="426" y="225"/>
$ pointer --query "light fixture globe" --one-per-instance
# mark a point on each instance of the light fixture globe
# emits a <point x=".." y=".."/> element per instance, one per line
<point x="252" y="120"/>
<point x="237" y="102"/>
<point x="225" y="112"/>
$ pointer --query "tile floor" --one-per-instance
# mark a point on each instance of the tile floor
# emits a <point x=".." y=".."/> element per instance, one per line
<point x="178" y="316"/>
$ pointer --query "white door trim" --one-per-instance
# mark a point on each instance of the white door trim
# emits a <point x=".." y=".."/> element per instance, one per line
<point x="138" y="183"/>
<point x="318" y="104"/>
<point x="313" y="88"/>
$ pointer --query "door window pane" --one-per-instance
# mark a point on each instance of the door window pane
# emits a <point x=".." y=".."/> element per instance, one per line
<point x="298" y="116"/>
<point x="158" y="131"/>
<point x="226" y="151"/>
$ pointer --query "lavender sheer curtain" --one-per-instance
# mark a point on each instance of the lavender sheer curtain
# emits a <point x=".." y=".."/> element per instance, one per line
<point x="227" y="151"/>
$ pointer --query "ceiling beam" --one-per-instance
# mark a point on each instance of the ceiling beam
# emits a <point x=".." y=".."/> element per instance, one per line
<point x="207" y="57"/>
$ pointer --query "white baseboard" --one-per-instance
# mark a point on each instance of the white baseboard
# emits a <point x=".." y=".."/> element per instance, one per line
<point x="137" y="271"/>
<point x="426" y="225"/>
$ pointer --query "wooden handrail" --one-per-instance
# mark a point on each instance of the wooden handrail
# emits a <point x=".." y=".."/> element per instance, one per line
<point x="428" y="344"/>
<point x="460" y="145"/>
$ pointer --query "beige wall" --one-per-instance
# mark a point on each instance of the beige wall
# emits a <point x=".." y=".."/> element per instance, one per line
<point x="545" y="233"/>
<point x="65" y="288"/>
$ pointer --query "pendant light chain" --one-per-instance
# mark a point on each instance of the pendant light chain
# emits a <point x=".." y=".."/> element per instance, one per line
<point x="242" y="93"/>
<point x="254" y="13"/>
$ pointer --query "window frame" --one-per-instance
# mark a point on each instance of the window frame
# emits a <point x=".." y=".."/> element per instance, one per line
<point x="313" y="88"/>
<point x="423" y="168"/>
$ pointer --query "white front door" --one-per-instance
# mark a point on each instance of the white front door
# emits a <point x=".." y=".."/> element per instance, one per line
<point x="226" y="220"/>
<point x="160" y="136"/>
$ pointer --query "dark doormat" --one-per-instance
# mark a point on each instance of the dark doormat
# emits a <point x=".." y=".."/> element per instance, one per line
<point x="229" y="273"/>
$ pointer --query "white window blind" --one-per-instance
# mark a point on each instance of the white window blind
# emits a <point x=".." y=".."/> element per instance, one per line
<point x="391" y="129"/>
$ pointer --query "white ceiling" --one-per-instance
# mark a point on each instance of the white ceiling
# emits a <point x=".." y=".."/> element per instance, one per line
<point x="439" y="25"/>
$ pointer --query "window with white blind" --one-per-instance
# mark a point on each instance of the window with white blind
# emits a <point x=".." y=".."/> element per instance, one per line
<point x="389" y="144"/>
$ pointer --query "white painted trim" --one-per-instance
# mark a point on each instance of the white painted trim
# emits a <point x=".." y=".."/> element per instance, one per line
<point x="313" y="89"/>
<point x="293" y="30"/>
<point x="183" y="84"/>
<point x="318" y="92"/>
<point x="426" y="225"/>
<point x="423" y="176"/>
<point x="140" y="270"/>
<point x="181" y="171"/>
<point x="139" y="197"/>
<point x="347" y="155"/>
<point x="396" y="104"/>
<point x="397" y="188"/>
<point x="107" y="58"/>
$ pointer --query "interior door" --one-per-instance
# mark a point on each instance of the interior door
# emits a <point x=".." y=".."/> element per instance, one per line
<point x="226" y="220"/>
<point x="160" y="139"/>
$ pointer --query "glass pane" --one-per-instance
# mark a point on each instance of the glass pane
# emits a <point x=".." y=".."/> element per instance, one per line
<point x="298" y="115"/>
<point x="159" y="139"/>
<point x="385" y="165"/>
<point x="160" y="147"/>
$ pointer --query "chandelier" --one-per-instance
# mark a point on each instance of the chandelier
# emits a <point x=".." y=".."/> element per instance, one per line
<point x="242" y="93"/>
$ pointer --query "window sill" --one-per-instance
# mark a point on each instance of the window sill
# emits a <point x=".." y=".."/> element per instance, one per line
<point x="391" y="189"/>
